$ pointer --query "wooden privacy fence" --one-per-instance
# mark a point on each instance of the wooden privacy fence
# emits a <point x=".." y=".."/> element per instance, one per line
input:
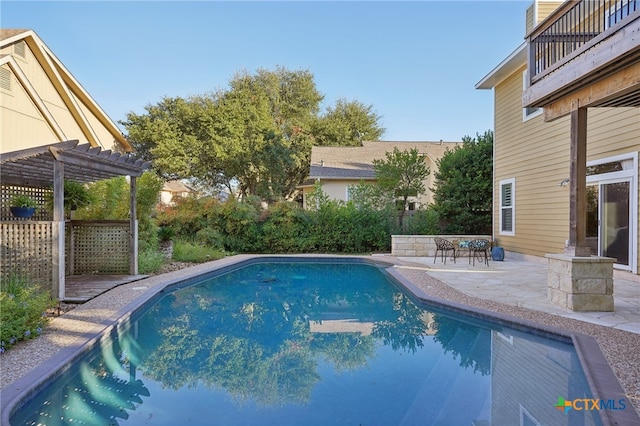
<point x="26" y="249"/>
<point x="97" y="247"/>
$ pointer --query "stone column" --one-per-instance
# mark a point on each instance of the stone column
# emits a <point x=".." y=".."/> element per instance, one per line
<point x="581" y="283"/>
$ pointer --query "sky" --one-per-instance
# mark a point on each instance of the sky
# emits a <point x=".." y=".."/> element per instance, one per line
<point x="415" y="63"/>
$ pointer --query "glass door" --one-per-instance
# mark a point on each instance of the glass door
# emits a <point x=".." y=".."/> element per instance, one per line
<point x="608" y="219"/>
<point x="614" y="221"/>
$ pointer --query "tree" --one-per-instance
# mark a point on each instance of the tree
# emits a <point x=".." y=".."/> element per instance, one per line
<point x="348" y="124"/>
<point x="463" y="186"/>
<point x="253" y="138"/>
<point x="402" y="173"/>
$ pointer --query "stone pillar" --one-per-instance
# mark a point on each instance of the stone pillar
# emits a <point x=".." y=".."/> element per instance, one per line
<point x="581" y="283"/>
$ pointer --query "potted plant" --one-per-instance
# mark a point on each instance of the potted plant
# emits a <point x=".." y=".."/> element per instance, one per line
<point x="76" y="195"/>
<point x="22" y="206"/>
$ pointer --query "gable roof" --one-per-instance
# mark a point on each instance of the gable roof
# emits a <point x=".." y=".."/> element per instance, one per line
<point x="356" y="162"/>
<point x="74" y="96"/>
<point x="176" y="186"/>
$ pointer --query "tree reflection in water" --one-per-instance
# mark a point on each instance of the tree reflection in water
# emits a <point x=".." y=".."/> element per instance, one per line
<point x="263" y="332"/>
<point x="250" y="335"/>
<point x="469" y="342"/>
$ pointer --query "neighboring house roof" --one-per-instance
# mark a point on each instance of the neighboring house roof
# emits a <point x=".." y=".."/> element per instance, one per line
<point x="176" y="186"/>
<point x="356" y="162"/>
<point x="75" y="97"/>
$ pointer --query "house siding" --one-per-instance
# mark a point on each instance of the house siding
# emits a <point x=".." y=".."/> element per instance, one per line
<point x="543" y="8"/>
<point x="337" y="168"/>
<point x="536" y="154"/>
<point x="25" y="124"/>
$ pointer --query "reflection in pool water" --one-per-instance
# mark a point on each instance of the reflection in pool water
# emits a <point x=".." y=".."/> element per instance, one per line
<point x="305" y="343"/>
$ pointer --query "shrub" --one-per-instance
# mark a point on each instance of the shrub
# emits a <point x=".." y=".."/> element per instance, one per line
<point x="423" y="222"/>
<point x="23" y="307"/>
<point x="210" y="237"/>
<point x="237" y="222"/>
<point x="184" y="251"/>
<point x="286" y="228"/>
<point x="150" y="261"/>
<point x="187" y="216"/>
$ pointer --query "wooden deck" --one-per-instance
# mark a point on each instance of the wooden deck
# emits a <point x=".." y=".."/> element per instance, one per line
<point x="81" y="288"/>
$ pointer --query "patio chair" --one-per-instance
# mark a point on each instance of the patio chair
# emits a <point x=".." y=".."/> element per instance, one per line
<point x="478" y="248"/>
<point x="444" y="246"/>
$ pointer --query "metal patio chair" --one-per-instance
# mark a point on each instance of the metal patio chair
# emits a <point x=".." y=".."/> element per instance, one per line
<point x="479" y="248"/>
<point x="444" y="246"/>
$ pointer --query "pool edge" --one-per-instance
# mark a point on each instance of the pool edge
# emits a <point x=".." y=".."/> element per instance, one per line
<point x="600" y="376"/>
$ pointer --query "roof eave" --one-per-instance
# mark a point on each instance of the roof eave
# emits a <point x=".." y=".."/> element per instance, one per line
<point x="35" y="42"/>
<point x="504" y="69"/>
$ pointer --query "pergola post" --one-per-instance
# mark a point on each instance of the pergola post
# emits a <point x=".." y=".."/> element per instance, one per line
<point x="133" y="227"/>
<point x="58" y="255"/>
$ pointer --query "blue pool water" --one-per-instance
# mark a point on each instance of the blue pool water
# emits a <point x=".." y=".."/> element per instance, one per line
<point x="306" y="343"/>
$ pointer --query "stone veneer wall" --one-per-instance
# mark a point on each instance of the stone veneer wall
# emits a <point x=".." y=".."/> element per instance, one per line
<point x="424" y="245"/>
<point x="581" y="283"/>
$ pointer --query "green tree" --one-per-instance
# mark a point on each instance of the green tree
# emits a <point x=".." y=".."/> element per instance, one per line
<point x="252" y="138"/>
<point x="402" y="173"/>
<point x="463" y="186"/>
<point x="348" y="124"/>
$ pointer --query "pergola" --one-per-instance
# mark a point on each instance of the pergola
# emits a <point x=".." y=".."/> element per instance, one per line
<point x="48" y="166"/>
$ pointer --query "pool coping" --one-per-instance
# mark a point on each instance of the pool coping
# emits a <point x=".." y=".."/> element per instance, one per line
<point x="600" y="377"/>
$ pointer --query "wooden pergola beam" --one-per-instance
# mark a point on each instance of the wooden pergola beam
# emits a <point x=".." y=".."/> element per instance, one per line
<point x="618" y="85"/>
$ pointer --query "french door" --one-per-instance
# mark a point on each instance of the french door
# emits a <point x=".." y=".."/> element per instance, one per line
<point x="608" y="220"/>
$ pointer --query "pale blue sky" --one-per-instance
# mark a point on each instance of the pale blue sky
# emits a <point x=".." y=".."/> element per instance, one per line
<point x="416" y="63"/>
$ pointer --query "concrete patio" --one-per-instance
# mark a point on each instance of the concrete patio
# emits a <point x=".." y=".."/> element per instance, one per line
<point x="524" y="284"/>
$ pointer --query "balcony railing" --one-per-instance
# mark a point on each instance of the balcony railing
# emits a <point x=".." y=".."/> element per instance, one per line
<point x="572" y="27"/>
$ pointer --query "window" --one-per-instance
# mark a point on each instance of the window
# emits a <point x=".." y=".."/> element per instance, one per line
<point x="507" y="206"/>
<point x="528" y="113"/>
<point x="620" y="10"/>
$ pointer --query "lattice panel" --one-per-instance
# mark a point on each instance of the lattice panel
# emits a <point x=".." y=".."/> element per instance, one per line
<point x="39" y="194"/>
<point x="100" y="248"/>
<point x="26" y="251"/>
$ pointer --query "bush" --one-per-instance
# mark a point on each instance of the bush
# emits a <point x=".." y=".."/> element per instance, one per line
<point x="150" y="261"/>
<point x="184" y="251"/>
<point x="286" y="228"/>
<point x="210" y="237"/>
<point x="245" y="227"/>
<point x="23" y="307"/>
<point x="423" y="222"/>
<point x="237" y="222"/>
<point x="188" y="216"/>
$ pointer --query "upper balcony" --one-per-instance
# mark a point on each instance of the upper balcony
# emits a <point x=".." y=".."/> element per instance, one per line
<point x="586" y="53"/>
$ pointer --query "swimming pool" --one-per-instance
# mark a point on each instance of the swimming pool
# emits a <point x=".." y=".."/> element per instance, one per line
<point x="313" y="343"/>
